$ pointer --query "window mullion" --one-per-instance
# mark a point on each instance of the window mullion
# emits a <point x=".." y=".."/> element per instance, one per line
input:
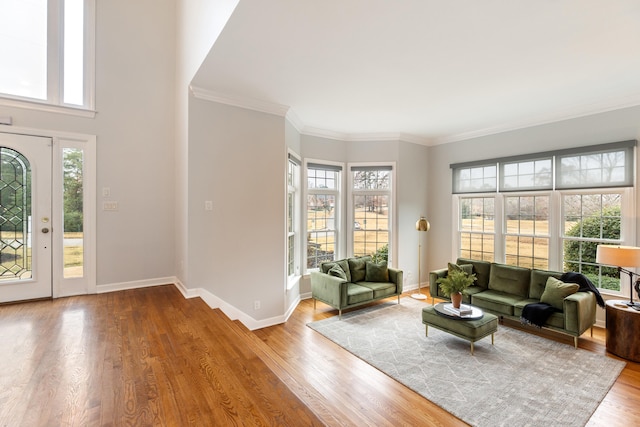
<point x="55" y="26"/>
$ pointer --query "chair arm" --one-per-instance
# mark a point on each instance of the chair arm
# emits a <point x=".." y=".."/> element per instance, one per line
<point x="397" y="276"/>
<point x="579" y="312"/>
<point x="329" y="289"/>
<point x="433" y="278"/>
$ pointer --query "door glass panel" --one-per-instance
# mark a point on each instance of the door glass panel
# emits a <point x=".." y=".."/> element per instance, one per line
<point x="15" y="216"/>
<point x="73" y="213"/>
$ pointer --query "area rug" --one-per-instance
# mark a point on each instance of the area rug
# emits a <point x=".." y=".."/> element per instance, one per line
<point x="522" y="380"/>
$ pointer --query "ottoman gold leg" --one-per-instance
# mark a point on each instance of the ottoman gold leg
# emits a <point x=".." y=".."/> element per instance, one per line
<point x="472" y="348"/>
<point x="491" y="339"/>
<point x="426" y="330"/>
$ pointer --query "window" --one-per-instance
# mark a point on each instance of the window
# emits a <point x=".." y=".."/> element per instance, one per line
<point x="73" y="194"/>
<point x="47" y="51"/>
<point x="527" y="231"/>
<point x="477" y="228"/>
<point x="371" y="209"/>
<point x="323" y="199"/>
<point x="587" y="221"/>
<point x="293" y="227"/>
<point x="554" y="209"/>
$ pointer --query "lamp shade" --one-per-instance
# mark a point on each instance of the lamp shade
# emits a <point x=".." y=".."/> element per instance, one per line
<point x="422" y="224"/>
<point x="619" y="256"/>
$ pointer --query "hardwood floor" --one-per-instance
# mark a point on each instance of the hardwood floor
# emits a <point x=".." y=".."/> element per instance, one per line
<point x="151" y="357"/>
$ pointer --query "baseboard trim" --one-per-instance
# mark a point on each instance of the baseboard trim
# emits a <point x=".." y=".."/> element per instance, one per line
<point x="147" y="283"/>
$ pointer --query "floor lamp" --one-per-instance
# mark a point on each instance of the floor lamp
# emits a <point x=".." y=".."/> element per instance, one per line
<point x="421" y="225"/>
<point x="620" y="256"/>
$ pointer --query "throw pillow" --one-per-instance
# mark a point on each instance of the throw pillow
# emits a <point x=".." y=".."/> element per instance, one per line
<point x="376" y="272"/>
<point x="337" y="271"/>
<point x="357" y="266"/>
<point x="344" y="265"/>
<point x="555" y="291"/>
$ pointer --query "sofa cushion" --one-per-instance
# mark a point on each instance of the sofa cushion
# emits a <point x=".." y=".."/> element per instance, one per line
<point x="556" y="319"/>
<point x="357" y="294"/>
<point x="357" y="267"/>
<point x="495" y="301"/>
<point x="344" y="265"/>
<point x="539" y="281"/>
<point x="380" y="289"/>
<point x="337" y="271"/>
<point x="556" y="291"/>
<point x="376" y="272"/>
<point x="465" y="268"/>
<point x="510" y="279"/>
<point x="481" y="269"/>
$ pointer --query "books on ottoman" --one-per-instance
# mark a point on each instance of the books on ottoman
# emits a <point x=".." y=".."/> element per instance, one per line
<point x="464" y="310"/>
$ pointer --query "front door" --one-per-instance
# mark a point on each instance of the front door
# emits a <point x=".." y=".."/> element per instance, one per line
<point x="25" y="217"/>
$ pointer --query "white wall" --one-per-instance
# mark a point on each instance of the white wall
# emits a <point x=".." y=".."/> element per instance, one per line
<point x="198" y="25"/>
<point x="135" y="59"/>
<point x="237" y="159"/>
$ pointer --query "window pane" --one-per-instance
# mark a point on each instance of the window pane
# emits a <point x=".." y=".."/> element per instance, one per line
<point x="73" y="213"/>
<point x="371" y="225"/>
<point x="371" y="180"/>
<point x="590" y="220"/>
<point x="321" y="235"/>
<point x="15" y="216"/>
<point x="23" y="48"/>
<point x="527" y="175"/>
<point x="74" y="52"/>
<point x="475" y="179"/>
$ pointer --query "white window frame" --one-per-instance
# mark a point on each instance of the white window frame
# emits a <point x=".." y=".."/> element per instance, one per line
<point x="294" y="191"/>
<point x="627" y="226"/>
<point x="391" y="192"/>
<point x="339" y="251"/>
<point x="55" y="66"/>
<point x="556" y="232"/>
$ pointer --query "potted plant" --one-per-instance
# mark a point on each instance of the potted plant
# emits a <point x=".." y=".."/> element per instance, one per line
<point x="454" y="283"/>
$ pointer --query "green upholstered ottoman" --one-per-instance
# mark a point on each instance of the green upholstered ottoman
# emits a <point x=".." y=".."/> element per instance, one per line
<point x="471" y="330"/>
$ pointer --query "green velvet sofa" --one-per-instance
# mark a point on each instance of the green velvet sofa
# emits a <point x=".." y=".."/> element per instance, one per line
<point x="354" y="281"/>
<point x="504" y="290"/>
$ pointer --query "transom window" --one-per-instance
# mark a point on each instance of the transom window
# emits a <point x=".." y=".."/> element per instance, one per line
<point x="47" y="50"/>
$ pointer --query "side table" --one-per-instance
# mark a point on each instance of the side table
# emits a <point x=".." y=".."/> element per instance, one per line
<point x="623" y="324"/>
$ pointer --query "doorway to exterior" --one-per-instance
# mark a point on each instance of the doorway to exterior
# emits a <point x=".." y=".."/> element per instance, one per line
<point x="47" y="214"/>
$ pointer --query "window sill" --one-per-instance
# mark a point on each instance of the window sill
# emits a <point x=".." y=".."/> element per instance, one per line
<point x="49" y="108"/>
<point x="292" y="282"/>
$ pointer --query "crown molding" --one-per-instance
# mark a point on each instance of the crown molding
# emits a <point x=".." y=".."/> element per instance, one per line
<point x="295" y="120"/>
<point x="584" y="110"/>
<point x="239" y="101"/>
<point x="364" y="137"/>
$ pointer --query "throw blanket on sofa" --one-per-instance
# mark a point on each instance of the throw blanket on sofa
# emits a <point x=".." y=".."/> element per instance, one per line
<point x="584" y="283"/>
<point x="537" y="313"/>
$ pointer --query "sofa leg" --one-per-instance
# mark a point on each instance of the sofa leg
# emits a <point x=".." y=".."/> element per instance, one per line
<point x="426" y="330"/>
<point x="314" y="303"/>
<point x="591" y="331"/>
<point x="398" y="298"/>
<point x="340" y="313"/>
<point x="575" y="342"/>
<point x="472" y="348"/>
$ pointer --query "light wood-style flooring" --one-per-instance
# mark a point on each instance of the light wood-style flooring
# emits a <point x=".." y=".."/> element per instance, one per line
<point x="151" y="357"/>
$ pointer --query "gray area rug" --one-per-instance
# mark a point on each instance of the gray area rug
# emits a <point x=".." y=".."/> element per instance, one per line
<point x="522" y="380"/>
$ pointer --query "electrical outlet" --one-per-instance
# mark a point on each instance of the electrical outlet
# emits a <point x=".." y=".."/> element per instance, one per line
<point x="110" y="206"/>
<point x="208" y="205"/>
<point x="256" y="305"/>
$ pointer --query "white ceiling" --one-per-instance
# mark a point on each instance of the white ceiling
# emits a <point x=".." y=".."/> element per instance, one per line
<point x="429" y="71"/>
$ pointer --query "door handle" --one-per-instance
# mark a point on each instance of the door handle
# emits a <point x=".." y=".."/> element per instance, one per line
<point x="45" y="230"/>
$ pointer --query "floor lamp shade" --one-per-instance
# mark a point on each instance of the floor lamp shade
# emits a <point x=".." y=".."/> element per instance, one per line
<point x="421" y="225"/>
<point x="621" y="257"/>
